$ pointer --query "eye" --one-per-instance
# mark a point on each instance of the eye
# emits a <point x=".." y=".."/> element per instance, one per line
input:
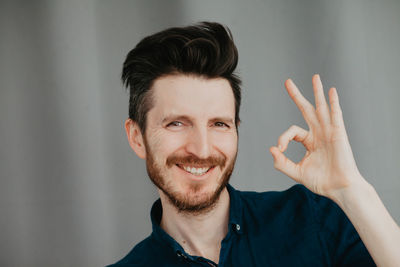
<point x="174" y="124"/>
<point x="221" y="124"/>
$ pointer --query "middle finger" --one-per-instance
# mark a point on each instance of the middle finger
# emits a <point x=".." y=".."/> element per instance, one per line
<point x="306" y="108"/>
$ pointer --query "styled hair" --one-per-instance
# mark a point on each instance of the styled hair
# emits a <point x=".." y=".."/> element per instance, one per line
<point x="205" y="49"/>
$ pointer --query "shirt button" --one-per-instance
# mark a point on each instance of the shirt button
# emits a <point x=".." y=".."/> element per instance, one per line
<point x="237" y="227"/>
<point x="181" y="255"/>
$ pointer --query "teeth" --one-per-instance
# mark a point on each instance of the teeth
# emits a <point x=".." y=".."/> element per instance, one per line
<point x="196" y="171"/>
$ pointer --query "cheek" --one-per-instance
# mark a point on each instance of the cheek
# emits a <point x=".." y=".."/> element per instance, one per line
<point x="226" y="143"/>
<point x="164" y="144"/>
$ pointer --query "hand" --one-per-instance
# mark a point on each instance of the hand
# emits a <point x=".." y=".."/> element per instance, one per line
<point x="328" y="165"/>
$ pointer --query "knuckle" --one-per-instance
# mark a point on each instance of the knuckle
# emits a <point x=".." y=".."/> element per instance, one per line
<point x="320" y="109"/>
<point x="303" y="109"/>
<point x="310" y="108"/>
<point x="307" y="108"/>
<point x="281" y="139"/>
<point x="283" y="136"/>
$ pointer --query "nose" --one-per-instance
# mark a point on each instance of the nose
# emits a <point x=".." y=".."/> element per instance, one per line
<point x="199" y="143"/>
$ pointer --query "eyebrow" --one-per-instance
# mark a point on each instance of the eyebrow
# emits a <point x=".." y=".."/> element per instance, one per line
<point x="176" y="118"/>
<point x="187" y="118"/>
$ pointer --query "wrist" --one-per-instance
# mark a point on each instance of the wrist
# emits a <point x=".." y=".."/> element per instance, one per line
<point x="357" y="190"/>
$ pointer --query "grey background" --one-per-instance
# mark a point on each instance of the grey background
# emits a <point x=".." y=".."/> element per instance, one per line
<point x="72" y="193"/>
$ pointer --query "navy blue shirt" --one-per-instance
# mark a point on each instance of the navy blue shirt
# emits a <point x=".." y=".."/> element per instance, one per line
<point x="290" y="228"/>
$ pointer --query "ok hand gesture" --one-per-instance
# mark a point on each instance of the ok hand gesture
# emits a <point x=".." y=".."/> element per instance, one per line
<point x="328" y="165"/>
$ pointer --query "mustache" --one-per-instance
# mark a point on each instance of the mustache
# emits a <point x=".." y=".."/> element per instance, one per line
<point x="193" y="160"/>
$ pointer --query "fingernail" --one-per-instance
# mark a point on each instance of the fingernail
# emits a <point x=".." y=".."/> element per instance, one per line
<point x="280" y="147"/>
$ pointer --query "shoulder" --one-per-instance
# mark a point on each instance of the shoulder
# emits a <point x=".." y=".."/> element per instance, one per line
<point x="296" y="204"/>
<point x="300" y="217"/>
<point x="293" y="197"/>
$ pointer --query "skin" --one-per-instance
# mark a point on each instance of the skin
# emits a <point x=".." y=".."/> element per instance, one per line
<point x="328" y="167"/>
<point x="194" y="117"/>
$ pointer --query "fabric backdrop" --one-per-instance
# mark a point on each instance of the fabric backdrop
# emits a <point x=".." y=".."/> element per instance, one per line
<point x="73" y="193"/>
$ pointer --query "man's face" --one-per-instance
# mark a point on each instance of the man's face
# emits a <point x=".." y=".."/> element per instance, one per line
<point x="191" y="139"/>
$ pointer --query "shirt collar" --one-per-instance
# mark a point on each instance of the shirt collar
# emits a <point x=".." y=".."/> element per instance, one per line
<point x="235" y="219"/>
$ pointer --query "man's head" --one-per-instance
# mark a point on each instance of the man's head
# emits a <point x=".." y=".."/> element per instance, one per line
<point x="205" y="49"/>
<point x="184" y="111"/>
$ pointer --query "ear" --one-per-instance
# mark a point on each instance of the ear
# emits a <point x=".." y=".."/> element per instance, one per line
<point x="135" y="138"/>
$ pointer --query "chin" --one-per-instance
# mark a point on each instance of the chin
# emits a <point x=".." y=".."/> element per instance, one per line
<point x="194" y="198"/>
<point x="200" y="190"/>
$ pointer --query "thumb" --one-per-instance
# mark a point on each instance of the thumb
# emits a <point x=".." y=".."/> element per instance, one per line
<point x="283" y="164"/>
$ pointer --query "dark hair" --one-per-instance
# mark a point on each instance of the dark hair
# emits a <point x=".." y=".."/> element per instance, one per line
<point x="205" y="49"/>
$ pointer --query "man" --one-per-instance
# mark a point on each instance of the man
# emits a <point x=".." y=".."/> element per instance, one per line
<point x="183" y="120"/>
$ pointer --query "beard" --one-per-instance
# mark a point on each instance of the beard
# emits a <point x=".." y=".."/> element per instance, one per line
<point x="190" y="202"/>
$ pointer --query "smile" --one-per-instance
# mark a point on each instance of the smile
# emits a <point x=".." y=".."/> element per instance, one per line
<point x="194" y="170"/>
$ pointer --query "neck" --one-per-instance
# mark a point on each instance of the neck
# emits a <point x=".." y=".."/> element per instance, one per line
<point x="198" y="234"/>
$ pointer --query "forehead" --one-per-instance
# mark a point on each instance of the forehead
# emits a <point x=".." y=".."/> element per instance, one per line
<point x="193" y="95"/>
